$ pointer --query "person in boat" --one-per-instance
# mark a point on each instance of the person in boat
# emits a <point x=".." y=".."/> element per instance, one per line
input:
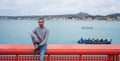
<point x="88" y="39"/>
<point x="81" y="39"/>
<point x="97" y="40"/>
<point x="40" y="37"/>
<point x="101" y="40"/>
<point x="105" y="40"/>
<point x="93" y="39"/>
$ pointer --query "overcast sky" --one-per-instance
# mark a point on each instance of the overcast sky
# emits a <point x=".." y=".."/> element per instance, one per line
<point x="56" y="7"/>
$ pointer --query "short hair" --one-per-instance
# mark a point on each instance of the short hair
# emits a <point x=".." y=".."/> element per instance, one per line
<point x="41" y="19"/>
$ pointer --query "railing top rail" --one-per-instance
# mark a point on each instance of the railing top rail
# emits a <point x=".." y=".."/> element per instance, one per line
<point x="62" y="49"/>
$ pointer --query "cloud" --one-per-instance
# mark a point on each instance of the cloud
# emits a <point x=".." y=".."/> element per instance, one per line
<point x="55" y="7"/>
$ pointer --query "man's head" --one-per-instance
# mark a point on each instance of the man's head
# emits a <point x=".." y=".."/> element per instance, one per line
<point x="41" y="22"/>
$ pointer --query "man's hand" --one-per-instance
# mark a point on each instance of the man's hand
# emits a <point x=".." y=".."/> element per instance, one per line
<point x="36" y="46"/>
<point x="37" y="40"/>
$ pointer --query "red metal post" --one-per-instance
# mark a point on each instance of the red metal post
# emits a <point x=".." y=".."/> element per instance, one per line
<point x="117" y="57"/>
<point x="111" y="57"/>
<point x="80" y="57"/>
<point x="16" y="58"/>
<point x="48" y="58"/>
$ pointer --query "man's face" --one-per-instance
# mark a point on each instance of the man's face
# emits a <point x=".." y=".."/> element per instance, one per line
<point x="41" y="23"/>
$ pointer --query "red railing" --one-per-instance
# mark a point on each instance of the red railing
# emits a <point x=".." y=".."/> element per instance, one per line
<point x="61" y="52"/>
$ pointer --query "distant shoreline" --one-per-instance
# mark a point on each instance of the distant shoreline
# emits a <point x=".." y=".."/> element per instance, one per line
<point x="60" y="20"/>
<point x="79" y="16"/>
<point x="64" y="18"/>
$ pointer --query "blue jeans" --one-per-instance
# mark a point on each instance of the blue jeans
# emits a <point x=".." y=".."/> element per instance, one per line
<point x="42" y="49"/>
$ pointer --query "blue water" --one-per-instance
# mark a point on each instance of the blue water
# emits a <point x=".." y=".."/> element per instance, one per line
<point x="61" y="32"/>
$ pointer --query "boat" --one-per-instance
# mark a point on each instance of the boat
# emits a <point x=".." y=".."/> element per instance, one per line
<point x="94" y="41"/>
<point x="86" y="27"/>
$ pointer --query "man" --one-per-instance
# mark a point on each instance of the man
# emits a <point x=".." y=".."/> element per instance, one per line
<point x="40" y="37"/>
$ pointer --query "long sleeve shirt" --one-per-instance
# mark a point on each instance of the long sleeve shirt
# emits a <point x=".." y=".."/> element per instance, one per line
<point x="41" y="33"/>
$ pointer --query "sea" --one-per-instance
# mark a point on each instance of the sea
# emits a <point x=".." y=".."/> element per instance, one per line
<point x="61" y="31"/>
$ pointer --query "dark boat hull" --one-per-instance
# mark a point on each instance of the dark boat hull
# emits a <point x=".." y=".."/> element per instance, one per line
<point x="93" y="42"/>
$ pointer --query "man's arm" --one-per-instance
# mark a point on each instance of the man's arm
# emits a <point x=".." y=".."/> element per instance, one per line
<point x="33" y="35"/>
<point x="46" y="38"/>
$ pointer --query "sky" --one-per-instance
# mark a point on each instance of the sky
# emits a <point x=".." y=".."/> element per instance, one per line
<point x="57" y="7"/>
